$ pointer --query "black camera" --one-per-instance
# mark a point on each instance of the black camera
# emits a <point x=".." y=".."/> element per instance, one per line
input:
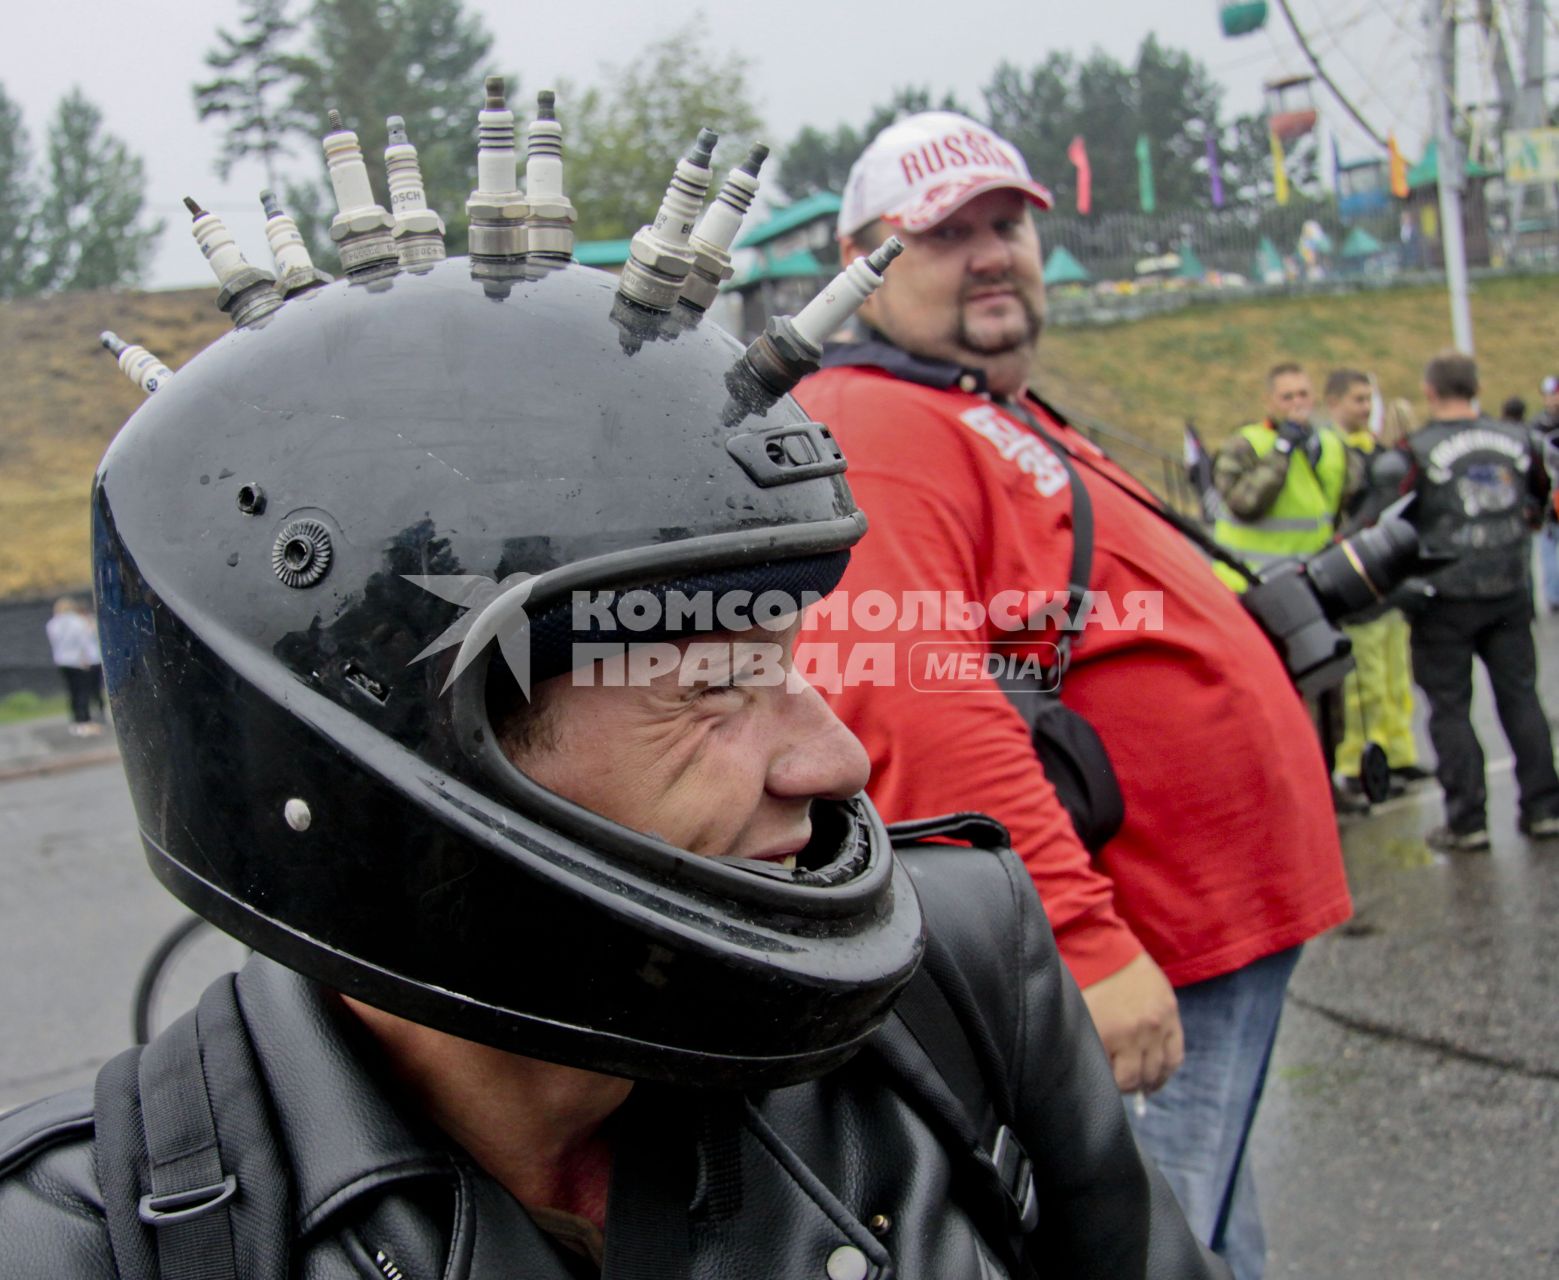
<point x="1299" y="603"/>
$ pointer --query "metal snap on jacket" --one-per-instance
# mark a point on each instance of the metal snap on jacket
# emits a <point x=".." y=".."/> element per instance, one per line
<point x="847" y="1263"/>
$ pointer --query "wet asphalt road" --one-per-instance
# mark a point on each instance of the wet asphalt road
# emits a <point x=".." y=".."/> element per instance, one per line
<point x="1411" y="1125"/>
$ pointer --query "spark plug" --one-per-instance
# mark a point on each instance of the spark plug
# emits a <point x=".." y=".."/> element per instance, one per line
<point x="659" y="258"/>
<point x="712" y="239"/>
<point x="549" y="222"/>
<point x="136" y="363"/>
<point x="295" y="270"/>
<point x="246" y="293"/>
<point x="789" y="348"/>
<point x="362" y="230"/>
<point x="419" y="231"/>
<point x="497" y="209"/>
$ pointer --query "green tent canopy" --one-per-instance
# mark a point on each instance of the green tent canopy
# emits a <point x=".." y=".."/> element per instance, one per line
<point x="800" y="265"/>
<point x="1063" y="268"/>
<point x="1361" y="244"/>
<point x="1268" y="261"/>
<point x="1426" y="173"/>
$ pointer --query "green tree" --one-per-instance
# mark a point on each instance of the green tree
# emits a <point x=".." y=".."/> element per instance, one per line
<point x="1165" y="94"/>
<point x="90" y="229"/>
<point x="1036" y="110"/>
<point x="421" y="59"/>
<point x="18" y="200"/>
<point x="622" y="137"/>
<point x="819" y="161"/>
<point x="248" y="93"/>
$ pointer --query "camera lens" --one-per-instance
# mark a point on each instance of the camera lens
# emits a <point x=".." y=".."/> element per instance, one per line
<point x="1362" y="570"/>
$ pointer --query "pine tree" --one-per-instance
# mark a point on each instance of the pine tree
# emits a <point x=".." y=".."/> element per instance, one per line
<point x="18" y="200"/>
<point x="248" y="94"/>
<point x="818" y="161"/>
<point x="424" y="60"/>
<point x="90" y="232"/>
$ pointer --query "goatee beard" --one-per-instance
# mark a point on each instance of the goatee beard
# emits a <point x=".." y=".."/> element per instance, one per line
<point x="1033" y="326"/>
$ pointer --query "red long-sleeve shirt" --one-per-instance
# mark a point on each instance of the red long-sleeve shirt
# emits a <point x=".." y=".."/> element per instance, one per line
<point x="1229" y="851"/>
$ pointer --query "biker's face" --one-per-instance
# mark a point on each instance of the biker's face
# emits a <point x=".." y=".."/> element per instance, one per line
<point x="721" y="752"/>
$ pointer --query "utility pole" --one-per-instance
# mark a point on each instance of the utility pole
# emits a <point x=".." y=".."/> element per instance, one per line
<point x="1440" y="18"/>
<point x="1531" y="108"/>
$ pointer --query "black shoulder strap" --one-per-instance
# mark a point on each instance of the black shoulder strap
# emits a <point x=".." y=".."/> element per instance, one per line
<point x="944" y="1060"/>
<point x="193" y="1181"/>
<point x="1187" y="528"/>
<point x="1082" y="514"/>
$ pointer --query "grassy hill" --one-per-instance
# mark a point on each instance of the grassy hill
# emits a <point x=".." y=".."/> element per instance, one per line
<point x="65" y="399"/>
<point x="1208" y="362"/>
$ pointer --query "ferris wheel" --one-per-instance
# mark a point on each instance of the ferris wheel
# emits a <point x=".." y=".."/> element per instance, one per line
<point x="1369" y="63"/>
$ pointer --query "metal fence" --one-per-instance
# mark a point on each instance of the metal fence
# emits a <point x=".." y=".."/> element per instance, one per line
<point x="1301" y="242"/>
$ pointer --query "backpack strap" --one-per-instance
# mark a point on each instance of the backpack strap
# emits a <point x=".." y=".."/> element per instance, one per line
<point x="192" y="1177"/>
<point x="942" y="1056"/>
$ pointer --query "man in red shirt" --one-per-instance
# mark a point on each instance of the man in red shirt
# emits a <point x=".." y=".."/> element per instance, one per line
<point x="1183" y="928"/>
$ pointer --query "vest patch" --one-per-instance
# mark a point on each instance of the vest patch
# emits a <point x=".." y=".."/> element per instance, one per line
<point x="1445" y="455"/>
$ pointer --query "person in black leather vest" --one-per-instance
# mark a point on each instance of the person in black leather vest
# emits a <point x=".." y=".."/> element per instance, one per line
<point x="461" y="687"/>
<point x="1482" y="488"/>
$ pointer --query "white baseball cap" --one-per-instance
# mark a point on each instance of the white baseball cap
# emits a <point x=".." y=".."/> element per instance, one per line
<point x="1550" y="384"/>
<point x="920" y="170"/>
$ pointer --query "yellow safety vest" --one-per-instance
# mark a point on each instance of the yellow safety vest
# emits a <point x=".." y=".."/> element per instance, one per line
<point x="1303" y="518"/>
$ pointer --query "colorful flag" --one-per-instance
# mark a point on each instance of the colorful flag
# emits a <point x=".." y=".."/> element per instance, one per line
<point x="1145" y="175"/>
<point x="1077" y="153"/>
<point x="1214" y="171"/>
<point x="1399" y="187"/>
<point x="1279" y="171"/>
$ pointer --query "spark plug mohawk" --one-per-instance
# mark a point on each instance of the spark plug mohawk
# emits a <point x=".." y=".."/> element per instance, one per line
<point x="362" y="230"/>
<point x="497" y="210"/>
<point x="245" y="292"/>
<point x="419" y="231"/>
<point x="136" y="363"/>
<point x="659" y="258"/>
<point x="790" y="347"/>
<point x="295" y="269"/>
<point x="549" y="219"/>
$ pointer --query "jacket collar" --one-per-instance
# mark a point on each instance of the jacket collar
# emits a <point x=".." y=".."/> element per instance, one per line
<point x="876" y="352"/>
<point x="342" y="1134"/>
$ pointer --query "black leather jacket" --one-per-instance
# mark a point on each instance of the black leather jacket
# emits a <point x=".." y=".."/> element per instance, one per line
<point x="841" y="1163"/>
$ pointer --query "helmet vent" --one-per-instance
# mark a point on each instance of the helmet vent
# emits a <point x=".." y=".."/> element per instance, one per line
<point x="785" y="455"/>
<point x="301" y="554"/>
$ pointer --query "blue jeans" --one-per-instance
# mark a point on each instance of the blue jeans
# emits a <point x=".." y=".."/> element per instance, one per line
<point x="1198" y="1126"/>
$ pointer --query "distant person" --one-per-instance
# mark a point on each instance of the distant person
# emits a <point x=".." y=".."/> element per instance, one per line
<point x="1546" y="424"/>
<point x="1481" y="488"/>
<point x="1378" y="695"/>
<point x="1283" y="483"/>
<point x="1514" y="411"/>
<point x="73" y="642"/>
<point x="1548" y="420"/>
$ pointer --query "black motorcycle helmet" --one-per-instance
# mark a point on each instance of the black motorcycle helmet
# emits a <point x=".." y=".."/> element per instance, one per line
<point x="284" y="539"/>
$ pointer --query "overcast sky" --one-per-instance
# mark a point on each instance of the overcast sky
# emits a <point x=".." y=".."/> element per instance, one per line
<point x="813" y="62"/>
